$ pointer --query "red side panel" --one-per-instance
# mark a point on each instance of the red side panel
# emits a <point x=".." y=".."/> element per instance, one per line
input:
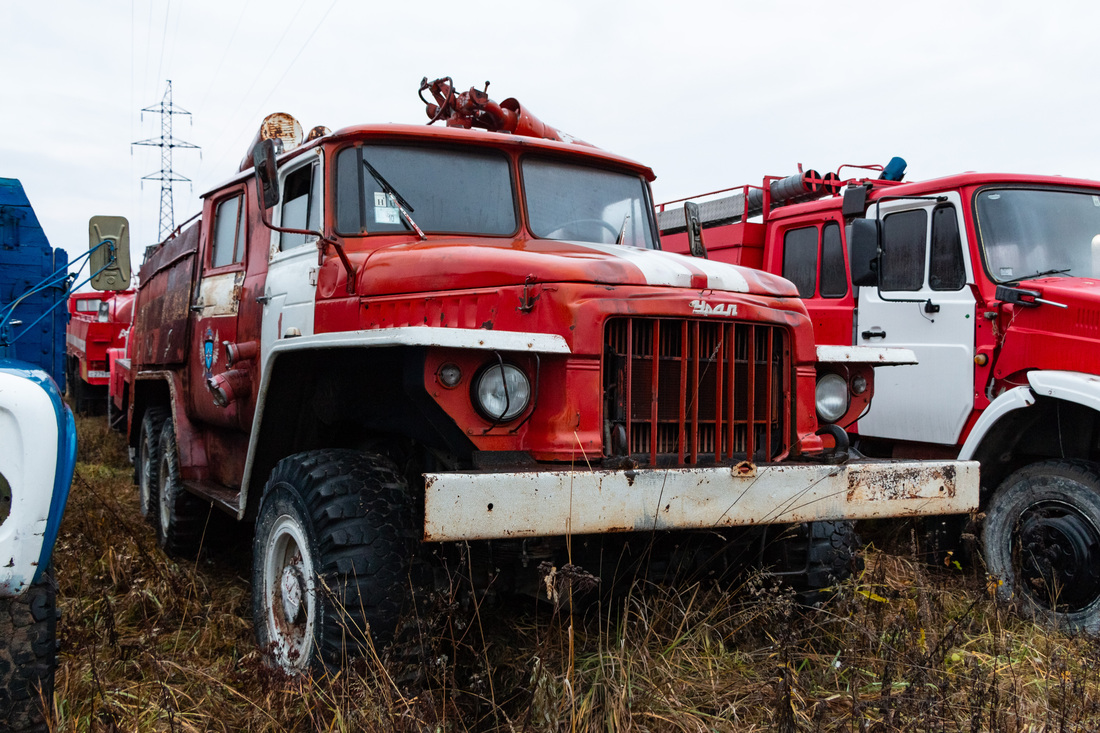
<point x="163" y="303"/>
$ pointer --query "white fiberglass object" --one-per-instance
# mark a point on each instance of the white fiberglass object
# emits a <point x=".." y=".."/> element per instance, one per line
<point x="37" y="459"/>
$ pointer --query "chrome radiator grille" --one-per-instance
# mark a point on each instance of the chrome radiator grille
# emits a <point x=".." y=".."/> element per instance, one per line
<point x="693" y="391"/>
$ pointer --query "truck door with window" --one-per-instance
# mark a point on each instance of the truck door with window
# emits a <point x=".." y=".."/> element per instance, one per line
<point x="289" y="292"/>
<point x="925" y="303"/>
<point x="813" y="259"/>
<point x="217" y="299"/>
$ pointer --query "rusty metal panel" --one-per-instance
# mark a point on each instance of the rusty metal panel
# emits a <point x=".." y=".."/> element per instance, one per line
<point x="467" y="506"/>
<point x="220" y="295"/>
<point x="163" y="303"/>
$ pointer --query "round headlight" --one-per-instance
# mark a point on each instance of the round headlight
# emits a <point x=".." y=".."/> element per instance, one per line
<point x="502" y="392"/>
<point x="832" y="397"/>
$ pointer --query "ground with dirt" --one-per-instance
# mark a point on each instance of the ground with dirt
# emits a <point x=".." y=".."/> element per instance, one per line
<point x="148" y="643"/>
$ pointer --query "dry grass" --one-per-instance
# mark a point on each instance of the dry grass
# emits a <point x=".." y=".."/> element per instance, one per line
<point x="149" y="644"/>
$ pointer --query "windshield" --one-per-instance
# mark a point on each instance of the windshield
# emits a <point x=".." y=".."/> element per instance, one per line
<point x="579" y="203"/>
<point x="1029" y="232"/>
<point x="442" y="190"/>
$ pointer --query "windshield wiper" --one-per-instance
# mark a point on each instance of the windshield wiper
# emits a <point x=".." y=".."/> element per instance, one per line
<point x="622" y="230"/>
<point x="397" y="199"/>
<point x="1044" y="273"/>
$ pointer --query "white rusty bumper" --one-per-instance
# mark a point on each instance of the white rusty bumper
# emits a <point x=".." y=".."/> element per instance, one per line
<point x="468" y="506"/>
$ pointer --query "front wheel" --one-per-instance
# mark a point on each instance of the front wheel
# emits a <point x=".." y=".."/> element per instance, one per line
<point x="334" y="539"/>
<point x="28" y="656"/>
<point x="813" y="557"/>
<point x="1042" y="542"/>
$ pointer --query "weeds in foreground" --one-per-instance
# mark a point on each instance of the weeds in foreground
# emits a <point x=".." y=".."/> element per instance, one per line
<point x="151" y="644"/>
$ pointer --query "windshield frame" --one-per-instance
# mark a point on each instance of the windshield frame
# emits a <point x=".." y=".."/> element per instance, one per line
<point x="980" y="239"/>
<point x="646" y="203"/>
<point x="447" y="147"/>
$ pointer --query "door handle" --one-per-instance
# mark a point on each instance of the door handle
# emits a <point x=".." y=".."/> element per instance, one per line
<point x="263" y="299"/>
<point x="873" y="334"/>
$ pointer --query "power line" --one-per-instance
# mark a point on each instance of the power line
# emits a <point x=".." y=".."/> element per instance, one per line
<point x="164" y="37"/>
<point x="220" y="152"/>
<point x="166" y="142"/>
<point x="305" y="43"/>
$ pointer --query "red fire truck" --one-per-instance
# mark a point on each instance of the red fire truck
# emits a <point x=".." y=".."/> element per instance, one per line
<point x="992" y="280"/>
<point x="394" y="341"/>
<point x="97" y="322"/>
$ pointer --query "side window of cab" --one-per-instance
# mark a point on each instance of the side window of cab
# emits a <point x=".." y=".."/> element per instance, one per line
<point x="813" y="259"/>
<point x="301" y="205"/>
<point x="904" y="237"/>
<point x="228" y="244"/>
<point x="910" y="247"/>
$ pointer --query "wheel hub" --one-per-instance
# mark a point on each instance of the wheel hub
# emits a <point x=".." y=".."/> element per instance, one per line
<point x="290" y="587"/>
<point x="1059" y="552"/>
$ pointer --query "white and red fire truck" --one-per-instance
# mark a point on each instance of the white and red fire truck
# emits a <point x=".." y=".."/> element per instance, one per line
<point x="392" y="337"/>
<point x="993" y="281"/>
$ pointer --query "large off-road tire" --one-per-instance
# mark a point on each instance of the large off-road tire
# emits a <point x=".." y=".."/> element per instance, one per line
<point x="147" y="461"/>
<point x="334" y="539"/>
<point x="28" y="656"/>
<point x="1041" y="539"/>
<point x="181" y="516"/>
<point x="813" y="557"/>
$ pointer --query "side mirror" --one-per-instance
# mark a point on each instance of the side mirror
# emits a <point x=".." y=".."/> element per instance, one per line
<point x="267" y="173"/>
<point x="109" y="242"/>
<point x="863" y="251"/>
<point x="694" y="230"/>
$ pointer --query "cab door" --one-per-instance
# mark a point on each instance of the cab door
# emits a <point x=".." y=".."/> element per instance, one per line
<point x="811" y="255"/>
<point x="924" y="303"/>
<point x="217" y="300"/>
<point x="289" y="292"/>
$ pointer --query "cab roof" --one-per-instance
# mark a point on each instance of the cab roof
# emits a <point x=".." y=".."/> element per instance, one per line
<point x="453" y="135"/>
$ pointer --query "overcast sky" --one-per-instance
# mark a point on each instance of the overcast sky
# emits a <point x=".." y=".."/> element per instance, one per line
<point x="708" y="94"/>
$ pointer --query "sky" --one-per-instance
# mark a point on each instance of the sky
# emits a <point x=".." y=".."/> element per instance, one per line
<point x="709" y="94"/>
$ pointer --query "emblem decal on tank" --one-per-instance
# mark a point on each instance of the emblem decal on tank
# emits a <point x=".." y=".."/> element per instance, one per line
<point x="703" y="308"/>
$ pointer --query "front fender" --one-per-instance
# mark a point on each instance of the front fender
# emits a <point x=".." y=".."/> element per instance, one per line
<point x="1077" y="387"/>
<point x="1084" y="389"/>
<point x="37" y="464"/>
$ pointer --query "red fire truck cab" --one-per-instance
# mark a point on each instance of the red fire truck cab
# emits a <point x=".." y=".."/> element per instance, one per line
<point x="393" y="340"/>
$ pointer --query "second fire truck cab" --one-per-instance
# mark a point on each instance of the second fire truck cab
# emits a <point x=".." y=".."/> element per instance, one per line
<point x="993" y="280"/>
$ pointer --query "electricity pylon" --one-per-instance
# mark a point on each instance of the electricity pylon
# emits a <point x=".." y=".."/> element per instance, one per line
<point x="166" y="142"/>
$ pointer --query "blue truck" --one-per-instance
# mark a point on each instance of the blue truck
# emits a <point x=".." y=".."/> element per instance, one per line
<point x="37" y="440"/>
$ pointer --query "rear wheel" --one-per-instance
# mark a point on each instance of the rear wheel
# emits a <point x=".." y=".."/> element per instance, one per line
<point x="148" y="460"/>
<point x="1042" y="542"/>
<point x="334" y="540"/>
<point x="28" y="656"/>
<point x="181" y="515"/>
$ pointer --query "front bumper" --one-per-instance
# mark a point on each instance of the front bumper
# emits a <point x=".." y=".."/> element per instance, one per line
<point x="475" y="506"/>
